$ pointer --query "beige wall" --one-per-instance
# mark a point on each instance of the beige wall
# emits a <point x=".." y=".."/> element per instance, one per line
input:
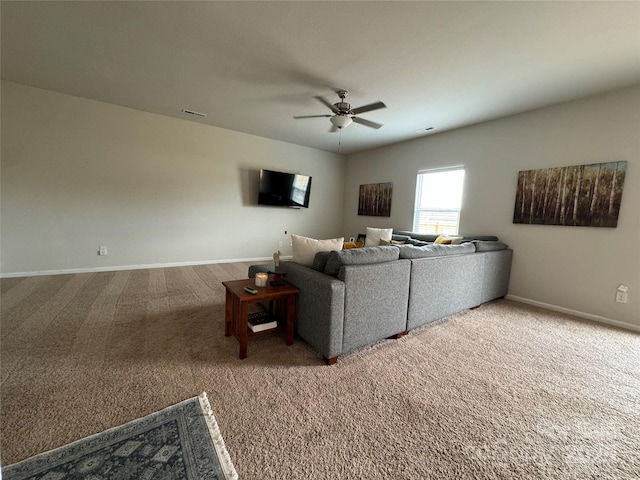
<point x="77" y="174"/>
<point x="572" y="268"/>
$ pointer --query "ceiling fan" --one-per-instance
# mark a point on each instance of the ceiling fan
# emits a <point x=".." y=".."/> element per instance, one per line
<point x="343" y="114"/>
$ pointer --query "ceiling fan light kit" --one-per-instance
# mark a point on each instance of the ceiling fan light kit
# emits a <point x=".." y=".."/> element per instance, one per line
<point x="341" y="121"/>
<point x="344" y="115"/>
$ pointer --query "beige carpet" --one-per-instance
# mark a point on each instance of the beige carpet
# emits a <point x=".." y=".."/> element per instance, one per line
<point x="504" y="391"/>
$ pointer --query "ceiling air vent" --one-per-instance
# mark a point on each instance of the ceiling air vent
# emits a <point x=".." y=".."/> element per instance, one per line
<point x="195" y="114"/>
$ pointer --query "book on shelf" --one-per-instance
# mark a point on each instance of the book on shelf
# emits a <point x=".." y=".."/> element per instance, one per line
<point x="259" y="327"/>
<point x="256" y="311"/>
<point x="259" y="318"/>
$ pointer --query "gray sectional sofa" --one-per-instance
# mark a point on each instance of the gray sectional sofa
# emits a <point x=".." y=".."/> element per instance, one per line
<point x="356" y="297"/>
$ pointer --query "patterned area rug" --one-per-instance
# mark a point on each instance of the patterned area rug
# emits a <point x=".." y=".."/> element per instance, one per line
<point x="179" y="442"/>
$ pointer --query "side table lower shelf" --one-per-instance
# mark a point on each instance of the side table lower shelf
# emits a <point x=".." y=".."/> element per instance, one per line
<point x="282" y="299"/>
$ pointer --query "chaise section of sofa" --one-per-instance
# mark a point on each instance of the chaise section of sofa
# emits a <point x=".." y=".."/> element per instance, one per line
<point x="446" y="279"/>
<point x="444" y="285"/>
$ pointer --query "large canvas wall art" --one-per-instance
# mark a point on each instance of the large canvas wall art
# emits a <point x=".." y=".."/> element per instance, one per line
<point x="580" y="195"/>
<point x="375" y="199"/>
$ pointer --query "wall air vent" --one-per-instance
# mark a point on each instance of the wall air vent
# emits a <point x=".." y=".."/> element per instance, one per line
<point x="195" y="114"/>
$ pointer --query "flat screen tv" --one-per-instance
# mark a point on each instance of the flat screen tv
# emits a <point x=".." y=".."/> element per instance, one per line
<point x="284" y="189"/>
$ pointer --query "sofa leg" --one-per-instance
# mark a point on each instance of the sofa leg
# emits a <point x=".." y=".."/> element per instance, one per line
<point x="399" y="335"/>
<point x="331" y="361"/>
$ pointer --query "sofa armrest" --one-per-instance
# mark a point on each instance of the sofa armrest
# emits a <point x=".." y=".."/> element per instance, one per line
<point x="497" y="270"/>
<point x="319" y="308"/>
<point x="253" y="269"/>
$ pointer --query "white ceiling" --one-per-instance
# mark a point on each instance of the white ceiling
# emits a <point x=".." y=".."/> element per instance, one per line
<point x="253" y="66"/>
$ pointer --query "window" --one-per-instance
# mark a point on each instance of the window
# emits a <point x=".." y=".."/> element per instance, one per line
<point x="438" y="200"/>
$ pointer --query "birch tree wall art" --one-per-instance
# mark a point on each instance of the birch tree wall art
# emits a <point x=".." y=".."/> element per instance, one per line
<point x="375" y="199"/>
<point x="581" y="195"/>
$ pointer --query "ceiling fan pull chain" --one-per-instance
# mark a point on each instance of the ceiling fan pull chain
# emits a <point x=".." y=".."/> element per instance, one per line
<point x="340" y="141"/>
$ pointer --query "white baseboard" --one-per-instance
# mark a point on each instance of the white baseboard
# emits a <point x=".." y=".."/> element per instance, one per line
<point x="133" y="267"/>
<point x="576" y="313"/>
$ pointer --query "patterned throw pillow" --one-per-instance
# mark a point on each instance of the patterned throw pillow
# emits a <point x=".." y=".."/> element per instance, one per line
<point x="348" y="245"/>
<point x="448" y="240"/>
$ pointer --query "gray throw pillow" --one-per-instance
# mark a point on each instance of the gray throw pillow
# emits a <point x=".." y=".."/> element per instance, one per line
<point x="320" y="261"/>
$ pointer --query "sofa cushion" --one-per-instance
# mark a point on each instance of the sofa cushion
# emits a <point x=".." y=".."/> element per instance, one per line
<point x="360" y="256"/>
<point x="423" y="237"/>
<point x="391" y="242"/>
<point x="374" y="235"/>
<point x="417" y="243"/>
<point x="489" y="246"/>
<point x="428" y="237"/>
<point x="305" y="249"/>
<point x="435" y="250"/>
<point x="320" y="261"/>
<point x="487" y="238"/>
<point x="400" y="238"/>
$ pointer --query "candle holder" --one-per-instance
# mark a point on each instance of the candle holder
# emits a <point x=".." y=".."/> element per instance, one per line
<point x="276" y="278"/>
<point x="261" y="279"/>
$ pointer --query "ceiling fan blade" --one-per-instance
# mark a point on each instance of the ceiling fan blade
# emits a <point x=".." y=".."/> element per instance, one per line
<point x="312" y="116"/>
<point x="326" y="104"/>
<point x="369" y="108"/>
<point x="366" y="123"/>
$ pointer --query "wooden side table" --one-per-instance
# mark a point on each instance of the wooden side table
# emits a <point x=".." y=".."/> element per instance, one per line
<point x="283" y="305"/>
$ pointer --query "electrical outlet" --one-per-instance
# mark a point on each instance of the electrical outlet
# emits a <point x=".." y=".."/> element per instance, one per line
<point x="621" y="293"/>
<point x="621" y="297"/>
<point x="103" y="250"/>
<point x="280" y="244"/>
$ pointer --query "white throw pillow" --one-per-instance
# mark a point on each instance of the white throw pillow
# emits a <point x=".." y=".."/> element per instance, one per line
<point x="374" y="235"/>
<point x="305" y="249"/>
